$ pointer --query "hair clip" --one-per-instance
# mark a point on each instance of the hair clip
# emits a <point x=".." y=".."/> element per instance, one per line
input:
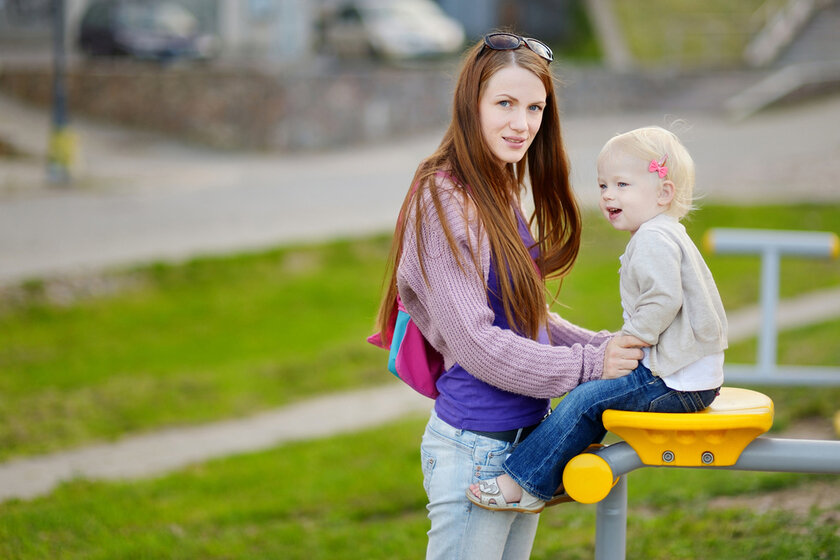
<point x="659" y="168"/>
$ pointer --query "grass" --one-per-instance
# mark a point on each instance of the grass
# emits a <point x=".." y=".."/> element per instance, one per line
<point x="208" y="339"/>
<point x="308" y="501"/>
<point x="229" y="336"/>
<point x="685" y="33"/>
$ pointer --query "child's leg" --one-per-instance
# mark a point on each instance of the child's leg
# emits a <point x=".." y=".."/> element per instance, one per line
<point x="537" y="463"/>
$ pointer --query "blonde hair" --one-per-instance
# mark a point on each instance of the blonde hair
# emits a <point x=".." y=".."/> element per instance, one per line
<point x="655" y="143"/>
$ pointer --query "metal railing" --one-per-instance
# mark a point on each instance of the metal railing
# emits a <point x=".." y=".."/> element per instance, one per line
<point x="771" y="245"/>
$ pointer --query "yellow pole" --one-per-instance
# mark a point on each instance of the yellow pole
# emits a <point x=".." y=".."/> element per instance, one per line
<point x="61" y="152"/>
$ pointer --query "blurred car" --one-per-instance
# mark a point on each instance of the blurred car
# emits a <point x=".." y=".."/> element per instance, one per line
<point x="147" y="29"/>
<point x="392" y="29"/>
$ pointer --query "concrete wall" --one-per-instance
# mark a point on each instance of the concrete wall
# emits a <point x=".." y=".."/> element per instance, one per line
<point x="249" y="109"/>
<point x="291" y="110"/>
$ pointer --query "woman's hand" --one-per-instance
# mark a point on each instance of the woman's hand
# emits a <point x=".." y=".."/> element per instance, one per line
<point x="622" y="356"/>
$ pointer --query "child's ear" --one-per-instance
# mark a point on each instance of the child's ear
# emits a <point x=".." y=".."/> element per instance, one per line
<point x="666" y="193"/>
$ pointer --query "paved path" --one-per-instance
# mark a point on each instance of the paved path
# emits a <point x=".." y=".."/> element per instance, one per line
<point x="141" y="197"/>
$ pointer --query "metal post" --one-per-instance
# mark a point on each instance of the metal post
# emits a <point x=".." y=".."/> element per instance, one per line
<point x="611" y="524"/>
<point x="769" y="304"/>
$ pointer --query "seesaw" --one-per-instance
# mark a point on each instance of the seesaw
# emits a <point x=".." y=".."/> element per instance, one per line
<point x="724" y="436"/>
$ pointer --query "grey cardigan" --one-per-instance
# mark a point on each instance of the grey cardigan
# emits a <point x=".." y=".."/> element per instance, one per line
<point x="669" y="297"/>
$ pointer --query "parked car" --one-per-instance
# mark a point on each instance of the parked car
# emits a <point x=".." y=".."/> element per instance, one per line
<point x="147" y="29"/>
<point x="391" y="29"/>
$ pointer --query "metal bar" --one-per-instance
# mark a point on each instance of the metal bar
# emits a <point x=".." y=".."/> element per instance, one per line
<point x="766" y="357"/>
<point x="763" y="454"/>
<point x="611" y="524"/>
<point x="790" y="455"/>
<point x="736" y="241"/>
<point x="782" y="375"/>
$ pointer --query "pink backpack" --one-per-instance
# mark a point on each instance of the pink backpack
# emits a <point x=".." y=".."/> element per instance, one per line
<point x="411" y="357"/>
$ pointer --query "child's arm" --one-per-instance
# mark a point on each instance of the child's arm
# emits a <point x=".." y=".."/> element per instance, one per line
<point x="651" y="274"/>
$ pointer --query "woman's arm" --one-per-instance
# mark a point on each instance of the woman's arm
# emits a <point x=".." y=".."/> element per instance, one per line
<point x="566" y="333"/>
<point x="452" y="313"/>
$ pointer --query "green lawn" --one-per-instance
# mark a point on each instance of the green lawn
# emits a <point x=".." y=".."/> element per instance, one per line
<point x="687" y="33"/>
<point x="308" y="501"/>
<point x="229" y="336"/>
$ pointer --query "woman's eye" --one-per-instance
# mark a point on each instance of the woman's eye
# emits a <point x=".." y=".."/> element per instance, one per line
<point x="536" y="108"/>
<point x="504" y="103"/>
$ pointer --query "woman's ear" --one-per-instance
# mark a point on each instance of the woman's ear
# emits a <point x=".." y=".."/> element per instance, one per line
<point x="666" y="193"/>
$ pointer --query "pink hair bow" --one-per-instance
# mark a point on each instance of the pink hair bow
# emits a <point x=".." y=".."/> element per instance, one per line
<point x="658" y="168"/>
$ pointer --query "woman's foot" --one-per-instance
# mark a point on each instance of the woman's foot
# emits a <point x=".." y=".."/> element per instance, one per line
<point x="503" y="494"/>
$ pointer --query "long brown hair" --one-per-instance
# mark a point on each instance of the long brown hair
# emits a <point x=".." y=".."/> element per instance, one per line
<point x="494" y="189"/>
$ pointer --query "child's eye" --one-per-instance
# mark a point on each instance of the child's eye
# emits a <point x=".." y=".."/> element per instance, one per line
<point x="602" y="186"/>
<point x="622" y="184"/>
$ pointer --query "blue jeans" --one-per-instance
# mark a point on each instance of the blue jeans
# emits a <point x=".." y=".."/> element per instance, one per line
<point x="538" y="463"/>
<point x="452" y="460"/>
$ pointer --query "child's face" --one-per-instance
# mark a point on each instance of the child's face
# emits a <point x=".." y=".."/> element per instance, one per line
<point x="630" y="194"/>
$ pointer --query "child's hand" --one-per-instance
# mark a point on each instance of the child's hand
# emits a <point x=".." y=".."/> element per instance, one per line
<point x="622" y="356"/>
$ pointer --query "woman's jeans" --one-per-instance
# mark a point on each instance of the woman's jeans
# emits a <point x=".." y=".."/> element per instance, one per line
<point x="452" y="460"/>
<point x="538" y="463"/>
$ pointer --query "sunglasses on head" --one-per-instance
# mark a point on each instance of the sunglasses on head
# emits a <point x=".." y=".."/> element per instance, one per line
<point x="509" y="42"/>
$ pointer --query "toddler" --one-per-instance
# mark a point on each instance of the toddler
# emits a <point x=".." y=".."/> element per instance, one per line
<point x="670" y="302"/>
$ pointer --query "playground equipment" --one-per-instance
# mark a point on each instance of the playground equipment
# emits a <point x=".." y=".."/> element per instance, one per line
<point x="727" y="434"/>
<point x="724" y="436"/>
<point x="771" y="245"/>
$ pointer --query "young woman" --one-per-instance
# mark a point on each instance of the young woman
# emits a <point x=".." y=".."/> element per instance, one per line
<point x="472" y="276"/>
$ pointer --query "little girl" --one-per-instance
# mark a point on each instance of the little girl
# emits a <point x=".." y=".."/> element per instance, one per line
<point x="670" y="302"/>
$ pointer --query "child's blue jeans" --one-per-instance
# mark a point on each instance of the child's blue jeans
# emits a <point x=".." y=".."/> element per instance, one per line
<point x="537" y="463"/>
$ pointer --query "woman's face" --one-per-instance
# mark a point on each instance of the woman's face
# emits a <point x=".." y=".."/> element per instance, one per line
<point x="510" y="111"/>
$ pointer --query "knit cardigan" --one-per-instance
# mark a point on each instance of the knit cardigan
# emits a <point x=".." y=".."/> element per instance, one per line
<point x="669" y="297"/>
<point x="453" y="314"/>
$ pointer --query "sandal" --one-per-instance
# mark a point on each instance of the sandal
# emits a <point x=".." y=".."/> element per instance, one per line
<point x="560" y="497"/>
<point x="492" y="499"/>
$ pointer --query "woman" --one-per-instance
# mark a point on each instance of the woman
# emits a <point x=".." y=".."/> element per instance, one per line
<point x="472" y="277"/>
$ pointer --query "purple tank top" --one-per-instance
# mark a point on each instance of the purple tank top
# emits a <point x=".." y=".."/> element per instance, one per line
<point x="469" y="404"/>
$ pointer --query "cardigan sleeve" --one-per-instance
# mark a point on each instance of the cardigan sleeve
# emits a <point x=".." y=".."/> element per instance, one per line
<point x="452" y="311"/>
<point x="566" y="333"/>
<point x="653" y="269"/>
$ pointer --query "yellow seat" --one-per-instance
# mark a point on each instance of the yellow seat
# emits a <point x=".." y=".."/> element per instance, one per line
<point x="715" y="436"/>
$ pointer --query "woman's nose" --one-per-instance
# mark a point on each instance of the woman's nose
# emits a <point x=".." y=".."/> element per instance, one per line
<point x="519" y="121"/>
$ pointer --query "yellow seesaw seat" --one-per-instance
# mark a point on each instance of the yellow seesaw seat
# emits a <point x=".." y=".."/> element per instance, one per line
<point x="715" y="436"/>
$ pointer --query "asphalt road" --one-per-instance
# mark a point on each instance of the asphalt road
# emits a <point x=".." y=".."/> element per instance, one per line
<point x="141" y="197"/>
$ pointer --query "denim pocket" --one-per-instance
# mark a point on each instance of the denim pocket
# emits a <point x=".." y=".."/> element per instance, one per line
<point x="427" y="466"/>
<point x="682" y="401"/>
<point x="488" y="457"/>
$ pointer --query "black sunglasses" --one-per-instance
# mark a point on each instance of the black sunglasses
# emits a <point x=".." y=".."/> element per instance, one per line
<point x="509" y="42"/>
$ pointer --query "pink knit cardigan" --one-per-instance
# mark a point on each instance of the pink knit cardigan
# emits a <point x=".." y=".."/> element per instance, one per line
<point x="453" y="314"/>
